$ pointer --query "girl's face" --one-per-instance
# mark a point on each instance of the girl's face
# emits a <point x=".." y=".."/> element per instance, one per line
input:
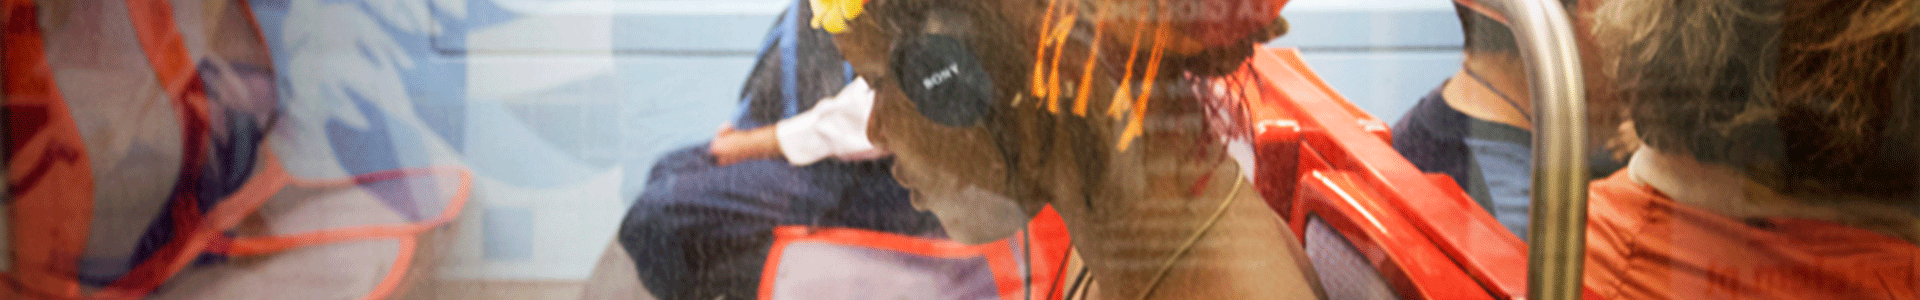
<point x="958" y="173"/>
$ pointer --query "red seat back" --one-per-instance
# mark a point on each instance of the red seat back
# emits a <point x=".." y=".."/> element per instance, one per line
<point x="1324" y="162"/>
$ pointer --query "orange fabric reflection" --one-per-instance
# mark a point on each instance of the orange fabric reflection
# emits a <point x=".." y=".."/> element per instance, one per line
<point x="51" y="189"/>
<point x="1642" y="245"/>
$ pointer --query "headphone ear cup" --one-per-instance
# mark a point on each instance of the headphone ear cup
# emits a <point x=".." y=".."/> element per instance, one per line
<point x="946" y="83"/>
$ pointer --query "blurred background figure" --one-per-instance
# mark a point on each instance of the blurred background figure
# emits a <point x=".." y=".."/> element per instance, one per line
<point x="1778" y="158"/>
<point x="703" y="225"/>
<point x="142" y="158"/>
<point x="1477" y="126"/>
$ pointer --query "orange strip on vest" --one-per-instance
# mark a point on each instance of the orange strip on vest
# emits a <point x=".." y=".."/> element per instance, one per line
<point x="406" y="234"/>
<point x="188" y="245"/>
<point x="277" y="243"/>
<point x="1047" y="248"/>
<point x="49" y="181"/>
<point x="1006" y="271"/>
<point x="998" y="254"/>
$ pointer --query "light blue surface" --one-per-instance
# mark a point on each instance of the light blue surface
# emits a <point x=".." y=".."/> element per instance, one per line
<point x="1382" y="55"/>
<point x="560" y="106"/>
<point x="1384" y="83"/>
<point x="508" y="229"/>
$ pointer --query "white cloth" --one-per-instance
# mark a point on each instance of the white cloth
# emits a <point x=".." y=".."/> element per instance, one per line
<point x="835" y="127"/>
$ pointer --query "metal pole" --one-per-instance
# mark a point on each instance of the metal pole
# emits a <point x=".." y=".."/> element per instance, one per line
<point x="1557" y="233"/>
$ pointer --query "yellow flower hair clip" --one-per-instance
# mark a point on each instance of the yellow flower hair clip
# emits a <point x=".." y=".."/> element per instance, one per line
<point x="833" y="15"/>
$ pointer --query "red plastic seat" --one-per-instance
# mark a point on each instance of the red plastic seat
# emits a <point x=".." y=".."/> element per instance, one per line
<point x="1324" y="162"/>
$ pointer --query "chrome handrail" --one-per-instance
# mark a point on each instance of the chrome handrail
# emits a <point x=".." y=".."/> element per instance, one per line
<point x="1556" y="245"/>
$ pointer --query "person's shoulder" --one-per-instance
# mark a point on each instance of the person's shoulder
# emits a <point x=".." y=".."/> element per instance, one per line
<point x="1431" y="108"/>
<point x="1620" y="187"/>
<point x="1617" y="203"/>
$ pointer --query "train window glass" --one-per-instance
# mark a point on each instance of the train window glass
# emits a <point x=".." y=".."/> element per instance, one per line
<point x="1767" y="126"/>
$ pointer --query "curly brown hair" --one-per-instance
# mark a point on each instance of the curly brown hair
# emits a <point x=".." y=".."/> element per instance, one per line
<point x="1809" y="98"/>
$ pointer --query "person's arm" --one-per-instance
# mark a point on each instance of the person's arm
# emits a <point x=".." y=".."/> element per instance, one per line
<point x="733" y="146"/>
<point x="836" y="127"/>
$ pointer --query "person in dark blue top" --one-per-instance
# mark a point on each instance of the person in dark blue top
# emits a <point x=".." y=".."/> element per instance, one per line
<point x="702" y="227"/>
<point x="1476" y="127"/>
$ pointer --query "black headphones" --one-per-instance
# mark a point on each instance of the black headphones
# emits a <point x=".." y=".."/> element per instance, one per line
<point x="938" y="71"/>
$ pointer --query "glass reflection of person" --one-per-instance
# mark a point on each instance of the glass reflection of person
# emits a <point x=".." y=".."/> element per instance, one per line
<point x="797" y="155"/>
<point x="1477" y="126"/>
<point x="1778" y="158"/>
<point x="1101" y="109"/>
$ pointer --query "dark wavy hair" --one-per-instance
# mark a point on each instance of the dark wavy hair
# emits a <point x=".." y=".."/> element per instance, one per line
<point x="1813" y="99"/>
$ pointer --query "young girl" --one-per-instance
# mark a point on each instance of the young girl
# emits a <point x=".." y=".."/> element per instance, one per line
<point x="1109" y="111"/>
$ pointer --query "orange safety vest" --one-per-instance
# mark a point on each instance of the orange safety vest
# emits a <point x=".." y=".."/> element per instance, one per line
<point x="50" y="184"/>
<point x="1025" y="266"/>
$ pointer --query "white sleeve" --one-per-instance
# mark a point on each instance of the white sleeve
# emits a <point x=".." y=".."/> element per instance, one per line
<point x="834" y="127"/>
